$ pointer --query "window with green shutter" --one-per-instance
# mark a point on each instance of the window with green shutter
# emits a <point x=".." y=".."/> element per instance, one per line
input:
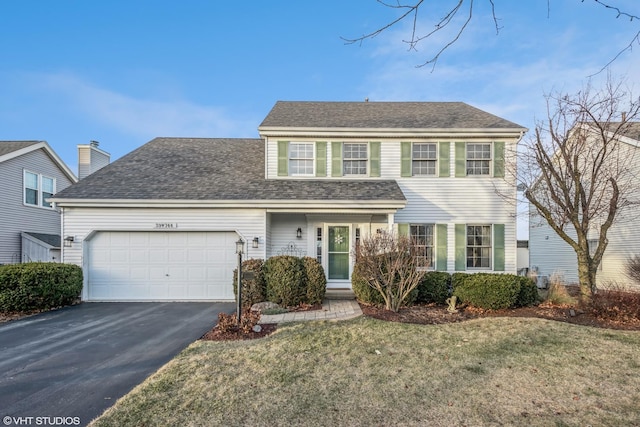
<point x="461" y="247"/>
<point x="441" y="247"/>
<point x="461" y="159"/>
<point x="498" y="159"/>
<point x="321" y="158"/>
<point x="405" y="159"/>
<point x="336" y="158"/>
<point x="498" y="247"/>
<point x="283" y="158"/>
<point x="444" y="159"/>
<point x="374" y="167"/>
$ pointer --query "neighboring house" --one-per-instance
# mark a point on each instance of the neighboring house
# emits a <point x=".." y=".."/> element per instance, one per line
<point x="30" y="173"/>
<point x="550" y="255"/>
<point x="161" y="222"/>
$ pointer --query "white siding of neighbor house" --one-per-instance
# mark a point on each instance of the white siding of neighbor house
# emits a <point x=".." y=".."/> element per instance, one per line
<point x="79" y="222"/>
<point x="15" y="216"/>
<point x="551" y="254"/>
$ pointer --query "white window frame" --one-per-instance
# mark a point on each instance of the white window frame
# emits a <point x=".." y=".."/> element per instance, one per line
<point x="481" y="246"/>
<point x="425" y="247"/>
<point x="345" y="160"/>
<point x="40" y="194"/>
<point x="429" y="161"/>
<point x="312" y="159"/>
<point x="471" y="171"/>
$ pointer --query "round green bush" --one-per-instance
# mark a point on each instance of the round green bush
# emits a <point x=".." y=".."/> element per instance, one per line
<point x="363" y="292"/>
<point x="528" y="292"/>
<point x="285" y="279"/>
<point x="254" y="288"/>
<point x="493" y="291"/>
<point x="434" y="287"/>
<point x="316" y="281"/>
<point x="39" y="286"/>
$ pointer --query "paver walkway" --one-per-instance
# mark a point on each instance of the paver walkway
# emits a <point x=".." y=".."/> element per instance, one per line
<point x="331" y="310"/>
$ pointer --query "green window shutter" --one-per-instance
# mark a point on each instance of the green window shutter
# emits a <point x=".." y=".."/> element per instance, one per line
<point x="461" y="159"/>
<point x="498" y="247"/>
<point x="321" y="158"/>
<point x="374" y="160"/>
<point x="498" y="159"/>
<point x="441" y="247"/>
<point x="444" y="159"/>
<point x="336" y="158"/>
<point x="405" y="159"/>
<point x="461" y="247"/>
<point x="283" y="158"/>
<point x="403" y="230"/>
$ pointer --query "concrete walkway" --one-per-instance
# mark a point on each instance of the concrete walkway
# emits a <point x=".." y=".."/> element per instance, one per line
<point x="331" y="310"/>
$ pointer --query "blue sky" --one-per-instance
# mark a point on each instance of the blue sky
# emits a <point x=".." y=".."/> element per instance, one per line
<point x="124" y="72"/>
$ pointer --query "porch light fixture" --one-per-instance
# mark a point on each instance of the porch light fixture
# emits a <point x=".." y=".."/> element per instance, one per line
<point x="299" y="233"/>
<point x="239" y="250"/>
<point x="256" y="240"/>
<point x="68" y="240"/>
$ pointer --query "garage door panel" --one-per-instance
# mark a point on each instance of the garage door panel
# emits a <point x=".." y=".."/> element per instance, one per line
<point x="161" y="266"/>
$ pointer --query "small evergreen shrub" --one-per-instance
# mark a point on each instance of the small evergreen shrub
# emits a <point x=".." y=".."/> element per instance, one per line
<point x="316" y="283"/>
<point x="38" y="286"/>
<point x="363" y="292"/>
<point x="434" y="287"/>
<point x="254" y="289"/>
<point x="490" y="291"/>
<point x="285" y="279"/>
<point x="528" y="292"/>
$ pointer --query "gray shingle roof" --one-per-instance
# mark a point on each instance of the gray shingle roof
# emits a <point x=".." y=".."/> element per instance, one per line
<point x="213" y="169"/>
<point x="382" y="115"/>
<point x="50" y="239"/>
<point x="7" y="147"/>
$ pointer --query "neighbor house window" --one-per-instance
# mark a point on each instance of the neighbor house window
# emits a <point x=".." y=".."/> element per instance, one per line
<point x="478" y="159"/>
<point x="423" y="159"/>
<point x="355" y="159"/>
<point x="479" y="246"/>
<point x="423" y="244"/>
<point x="301" y="159"/>
<point x="37" y="188"/>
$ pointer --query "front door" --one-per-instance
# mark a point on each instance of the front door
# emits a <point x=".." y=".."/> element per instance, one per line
<point x="339" y="244"/>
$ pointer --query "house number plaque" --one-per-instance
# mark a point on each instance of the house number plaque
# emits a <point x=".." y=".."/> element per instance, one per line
<point x="166" y="225"/>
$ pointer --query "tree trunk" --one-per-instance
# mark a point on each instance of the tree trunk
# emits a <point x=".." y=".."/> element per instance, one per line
<point x="586" y="277"/>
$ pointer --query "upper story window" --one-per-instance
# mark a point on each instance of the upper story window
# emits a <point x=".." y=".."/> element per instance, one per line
<point x="422" y="238"/>
<point x="38" y="188"/>
<point x="354" y="158"/>
<point x="423" y="159"/>
<point x="478" y="159"/>
<point x="479" y="246"/>
<point x="301" y="159"/>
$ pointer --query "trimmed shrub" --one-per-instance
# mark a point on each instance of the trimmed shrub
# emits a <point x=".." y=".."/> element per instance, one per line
<point x="254" y="289"/>
<point x="285" y="279"/>
<point x="434" y="287"/>
<point x="528" y="292"/>
<point x="316" y="281"/>
<point x="39" y="286"/>
<point x="491" y="291"/>
<point x="362" y="290"/>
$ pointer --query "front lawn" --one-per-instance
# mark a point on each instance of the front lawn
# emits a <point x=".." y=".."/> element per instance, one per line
<point x="491" y="371"/>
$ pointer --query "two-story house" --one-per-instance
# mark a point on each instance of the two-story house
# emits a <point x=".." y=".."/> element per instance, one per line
<point x="161" y="223"/>
<point x="30" y="173"/>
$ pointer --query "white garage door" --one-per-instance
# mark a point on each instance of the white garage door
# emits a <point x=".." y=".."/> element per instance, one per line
<point x="163" y="265"/>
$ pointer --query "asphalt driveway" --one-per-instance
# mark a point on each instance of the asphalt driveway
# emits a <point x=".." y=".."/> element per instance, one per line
<point x="77" y="361"/>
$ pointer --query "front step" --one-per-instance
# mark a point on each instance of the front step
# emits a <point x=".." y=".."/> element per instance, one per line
<point x="339" y="294"/>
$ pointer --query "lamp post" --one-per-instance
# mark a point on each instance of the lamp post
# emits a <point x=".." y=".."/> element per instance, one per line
<point x="239" y="250"/>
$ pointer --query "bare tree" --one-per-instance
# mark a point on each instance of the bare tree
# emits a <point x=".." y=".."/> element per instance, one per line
<point x="408" y="11"/>
<point x="387" y="263"/>
<point x="578" y="174"/>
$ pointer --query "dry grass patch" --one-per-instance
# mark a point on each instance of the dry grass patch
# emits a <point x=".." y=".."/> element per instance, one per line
<point x="492" y="371"/>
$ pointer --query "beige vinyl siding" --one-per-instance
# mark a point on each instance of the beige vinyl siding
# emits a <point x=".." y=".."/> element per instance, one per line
<point x="15" y="217"/>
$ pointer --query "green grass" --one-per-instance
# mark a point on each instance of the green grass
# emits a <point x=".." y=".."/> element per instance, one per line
<point x="494" y="371"/>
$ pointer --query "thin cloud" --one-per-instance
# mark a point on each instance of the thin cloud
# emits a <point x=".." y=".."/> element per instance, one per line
<point x="144" y="118"/>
